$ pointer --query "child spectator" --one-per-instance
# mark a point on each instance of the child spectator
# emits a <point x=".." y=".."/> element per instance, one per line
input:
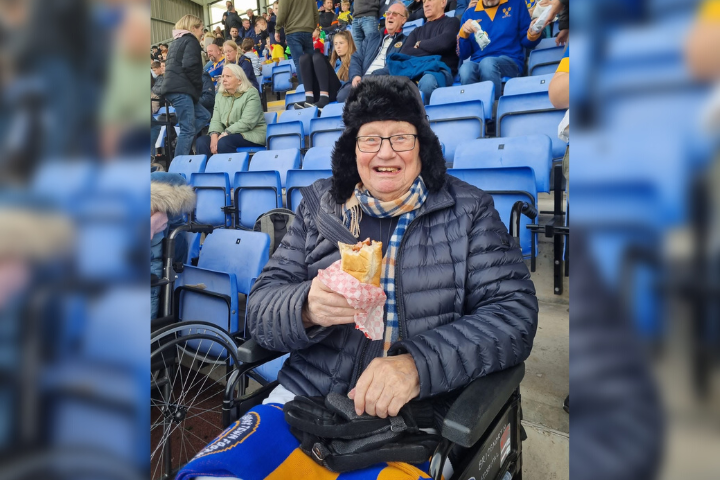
<point x="318" y="43"/>
<point x="345" y="15"/>
<point x="247" y="47"/>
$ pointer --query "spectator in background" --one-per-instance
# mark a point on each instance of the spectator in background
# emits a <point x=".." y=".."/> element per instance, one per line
<point x="218" y="31"/>
<point x="370" y="56"/>
<point x="159" y="71"/>
<point x="417" y="11"/>
<point x="235" y="35"/>
<point x="246" y="31"/>
<point x="155" y="54"/>
<point x="251" y="16"/>
<point x="323" y="78"/>
<point x="232" y="20"/>
<point x="365" y="20"/>
<point x="507" y="25"/>
<point x="318" y="43"/>
<point x="271" y="21"/>
<point x="261" y="35"/>
<point x="215" y="68"/>
<point x="345" y="15"/>
<point x="326" y="17"/>
<point x="298" y="18"/>
<point x="230" y="49"/>
<point x="182" y="85"/>
<point x="247" y="48"/>
<point x="207" y="97"/>
<point x="238" y="119"/>
<point x="436" y="37"/>
<point x="561" y="8"/>
<point x="208" y="39"/>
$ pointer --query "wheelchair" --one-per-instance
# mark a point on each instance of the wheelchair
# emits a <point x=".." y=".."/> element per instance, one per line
<point x="200" y="378"/>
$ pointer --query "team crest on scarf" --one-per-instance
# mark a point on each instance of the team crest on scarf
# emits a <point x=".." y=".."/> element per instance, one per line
<point x="233" y="436"/>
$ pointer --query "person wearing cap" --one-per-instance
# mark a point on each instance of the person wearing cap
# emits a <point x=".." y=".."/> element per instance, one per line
<point x="460" y="302"/>
<point x="170" y="198"/>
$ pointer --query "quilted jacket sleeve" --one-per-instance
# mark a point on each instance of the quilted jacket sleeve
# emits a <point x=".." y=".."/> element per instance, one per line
<point x="499" y="326"/>
<point x="276" y="300"/>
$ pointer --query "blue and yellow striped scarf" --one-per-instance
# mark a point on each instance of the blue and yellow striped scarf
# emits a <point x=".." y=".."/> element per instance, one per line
<point x="406" y="207"/>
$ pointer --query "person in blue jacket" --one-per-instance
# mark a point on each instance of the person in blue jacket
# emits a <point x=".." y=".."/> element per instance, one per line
<point x="507" y="24"/>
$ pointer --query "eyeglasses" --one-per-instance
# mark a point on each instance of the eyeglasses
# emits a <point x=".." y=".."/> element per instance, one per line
<point x="394" y="14"/>
<point x="400" y="143"/>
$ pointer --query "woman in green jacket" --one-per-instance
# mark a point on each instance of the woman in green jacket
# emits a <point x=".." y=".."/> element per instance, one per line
<point x="238" y="119"/>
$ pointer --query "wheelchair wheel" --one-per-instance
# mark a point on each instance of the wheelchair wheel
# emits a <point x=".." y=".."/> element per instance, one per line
<point x="194" y="370"/>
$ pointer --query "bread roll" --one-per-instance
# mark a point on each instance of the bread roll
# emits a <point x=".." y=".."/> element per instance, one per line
<point x="362" y="260"/>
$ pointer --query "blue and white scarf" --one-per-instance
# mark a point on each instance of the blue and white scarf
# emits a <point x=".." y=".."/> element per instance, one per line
<point x="406" y="207"/>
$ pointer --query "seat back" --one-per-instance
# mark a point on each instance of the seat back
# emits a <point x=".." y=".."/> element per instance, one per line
<point x="456" y="122"/>
<point x="255" y="194"/>
<point x="410" y="26"/>
<point x="77" y="177"/>
<point x="271" y="117"/>
<point x="506" y="185"/>
<point x="242" y="253"/>
<point x="318" y="158"/>
<point x="545" y="43"/>
<point x="292" y="98"/>
<point x="228" y="163"/>
<point x="303" y="115"/>
<point x="282" y="78"/>
<point x="483" y="91"/>
<point x="213" y="193"/>
<point x="529" y="114"/>
<point x="284" y="135"/>
<point x="544" y="61"/>
<point x="333" y="109"/>
<point x="520" y="85"/>
<point x="278" y="160"/>
<point x="267" y="72"/>
<point x="296" y="179"/>
<point x="186" y="165"/>
<point x="325" y="131"/>
<point x="193" y="243"/>
<point x="534" y="151"/>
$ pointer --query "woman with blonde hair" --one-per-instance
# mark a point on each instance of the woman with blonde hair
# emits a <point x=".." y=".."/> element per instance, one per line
<point x="233" y="55"/>
<point x="238" y="119"/>
<point x="323" y="78"/>
<point x="183" y="83"/>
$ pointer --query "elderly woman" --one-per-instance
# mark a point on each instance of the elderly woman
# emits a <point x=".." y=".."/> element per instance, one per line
<point x="460" y="302"/>
<point x="238" y="119"/>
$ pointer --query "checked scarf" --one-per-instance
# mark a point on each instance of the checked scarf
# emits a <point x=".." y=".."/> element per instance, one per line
<point x="406" y="208"/>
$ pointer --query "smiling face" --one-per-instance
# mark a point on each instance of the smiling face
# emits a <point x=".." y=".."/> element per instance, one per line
<point x="395" y="18"/>
<point x="388" y="174"/>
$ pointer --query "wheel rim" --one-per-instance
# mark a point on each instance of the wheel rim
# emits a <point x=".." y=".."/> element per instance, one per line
<point x="187" y="395"/>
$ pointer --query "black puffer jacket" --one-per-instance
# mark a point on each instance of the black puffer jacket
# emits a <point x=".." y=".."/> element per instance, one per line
<point x="466" y="304"/>
<point x="184" y="67"/>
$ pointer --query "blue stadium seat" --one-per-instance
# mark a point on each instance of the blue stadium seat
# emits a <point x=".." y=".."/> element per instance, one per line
<point x="528" y="114"/>
<point x="333" y="109"/>
<point x="292" y="98"/>
<point x="77" y="177"/>
<point x="255" y="194"/>
<point x="451" y="13"/>
<point x="186" y="165"/>
<point x="213" y="194"/>
<point x="271" y="117"/>
<point x="325" y="131"/>
<point x="228" y="163"/>
<point x="520" y="85"/>
<point x="288" y="62"/>
<point x="534" y="151"/>
<point x="193" y="243"/>
<point x="230" y="261"/>
<point x="410" y="26"/>
<point x="318" y="158"/>
<point x="282" y="78"/>
<point x="542" y="62"/>
<point x="296" y="179"/>
<point x="483" y="91"/>
<point x="507" y="185"/>
<point x="278" y="160"/>
<point x="267" y="73"/>
<point x="545" y="43"/>
<point x="454" y="123"/>
<point x="291" y="128"/>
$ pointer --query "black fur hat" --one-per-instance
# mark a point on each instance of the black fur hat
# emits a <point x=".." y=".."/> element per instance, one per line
<point x="379" y="98"/>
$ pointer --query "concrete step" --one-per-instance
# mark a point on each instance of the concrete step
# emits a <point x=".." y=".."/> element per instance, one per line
<point x="546" y="453"/>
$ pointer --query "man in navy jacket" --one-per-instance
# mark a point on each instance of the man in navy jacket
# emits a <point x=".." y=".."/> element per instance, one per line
<point x="369" y="58"/>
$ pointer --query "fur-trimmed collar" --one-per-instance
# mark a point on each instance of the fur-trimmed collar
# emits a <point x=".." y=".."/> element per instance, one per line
<point x="171" y="199"/>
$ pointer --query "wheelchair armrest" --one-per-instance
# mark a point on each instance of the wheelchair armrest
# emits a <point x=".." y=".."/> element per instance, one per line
<point x="476" y="407"/>
<point x="252" y="353"/>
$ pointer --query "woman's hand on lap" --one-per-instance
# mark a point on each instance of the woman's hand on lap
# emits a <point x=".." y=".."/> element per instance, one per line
<point x="386" y="385"/>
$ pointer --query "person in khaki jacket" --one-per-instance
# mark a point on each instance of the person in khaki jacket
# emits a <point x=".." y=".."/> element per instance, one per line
<point x="238" y="119"/>
<point x="298" y="18"/>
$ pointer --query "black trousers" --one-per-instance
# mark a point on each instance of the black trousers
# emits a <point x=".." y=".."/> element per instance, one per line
<point x="318" y="76"/>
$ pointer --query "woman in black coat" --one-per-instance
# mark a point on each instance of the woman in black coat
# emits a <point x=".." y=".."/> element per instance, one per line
<point x="183" y="84"/>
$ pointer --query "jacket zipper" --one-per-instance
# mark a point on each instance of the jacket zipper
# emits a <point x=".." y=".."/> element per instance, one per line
<point x="398" y="297"/>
